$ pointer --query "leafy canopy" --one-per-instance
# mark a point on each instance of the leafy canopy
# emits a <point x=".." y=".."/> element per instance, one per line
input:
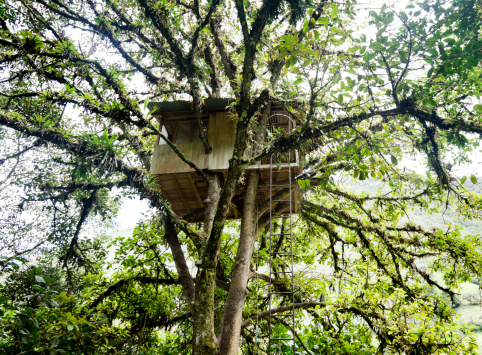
<point x="368" y="88"/>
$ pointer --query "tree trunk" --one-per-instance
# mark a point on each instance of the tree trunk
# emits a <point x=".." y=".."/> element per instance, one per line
<point x="212" y="199"/>
<point x="230" y="327"/>
<point x="204" y="339"/>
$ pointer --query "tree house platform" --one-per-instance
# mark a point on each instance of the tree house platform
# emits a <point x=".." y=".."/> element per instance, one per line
<point x="182" y="186"/>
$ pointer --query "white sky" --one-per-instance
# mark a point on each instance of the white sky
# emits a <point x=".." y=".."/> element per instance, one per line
<point x="131" y="212"/>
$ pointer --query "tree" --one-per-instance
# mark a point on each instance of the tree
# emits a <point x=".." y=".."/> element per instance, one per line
<point x="75" y="75"/>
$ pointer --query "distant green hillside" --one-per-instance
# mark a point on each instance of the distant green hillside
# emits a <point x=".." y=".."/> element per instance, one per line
<point x="425" y="219"/>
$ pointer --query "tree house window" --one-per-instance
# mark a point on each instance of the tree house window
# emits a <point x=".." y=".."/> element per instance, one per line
<point x="280" y="122"/>
<point x="182" y="132"/>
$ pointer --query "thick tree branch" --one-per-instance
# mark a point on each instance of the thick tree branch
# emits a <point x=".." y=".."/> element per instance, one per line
<point x="180" y="261"/>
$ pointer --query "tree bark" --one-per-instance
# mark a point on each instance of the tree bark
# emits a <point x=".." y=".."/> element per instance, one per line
<point x="204" y="339"/>
<point x="213" y="195"/>
<point x="180" y="262"/>
<point x="230" y="327"/>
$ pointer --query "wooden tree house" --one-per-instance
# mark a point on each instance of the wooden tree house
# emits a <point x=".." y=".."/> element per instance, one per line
<point x="182" y="186"/>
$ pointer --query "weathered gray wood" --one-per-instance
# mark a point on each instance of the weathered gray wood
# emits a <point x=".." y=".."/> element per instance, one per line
<point x="221" y="132"/>
<point x="196" y="192"/>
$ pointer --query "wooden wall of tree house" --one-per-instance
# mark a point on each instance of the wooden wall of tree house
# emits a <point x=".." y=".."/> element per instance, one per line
<point x="186" y="191"/>
<point x="221" y="134"/>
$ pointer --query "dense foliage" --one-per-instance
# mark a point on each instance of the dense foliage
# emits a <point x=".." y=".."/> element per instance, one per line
<point x="369" y="88"/>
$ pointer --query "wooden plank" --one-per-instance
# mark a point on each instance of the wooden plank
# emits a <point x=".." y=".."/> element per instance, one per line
<point x="174" y="135"/>
<point x="196" y="192"/>
<point x="165" y="161"/>
<point x="190" y="132"/>
<point x="221" y="135"/>
<point x="182" y="118"/>
<point x="180" y="194"/>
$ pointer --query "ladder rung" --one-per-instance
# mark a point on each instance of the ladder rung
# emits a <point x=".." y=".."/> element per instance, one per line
<point x="282" y="165"/>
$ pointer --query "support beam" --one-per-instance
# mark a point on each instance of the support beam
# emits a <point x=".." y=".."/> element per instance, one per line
<point x="196" y="192"/>
<point x="180" y="194"/>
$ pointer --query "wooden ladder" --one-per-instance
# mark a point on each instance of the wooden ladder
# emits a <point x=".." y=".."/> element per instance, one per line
<point x="281" y="256"/>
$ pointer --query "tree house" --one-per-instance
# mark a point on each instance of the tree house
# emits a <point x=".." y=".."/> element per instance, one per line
<point x="182" y="186"/>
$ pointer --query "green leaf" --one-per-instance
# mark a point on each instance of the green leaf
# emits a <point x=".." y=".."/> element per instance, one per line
<point x="323" y="20"/>
<point x="70" y="327"/>
<point x="39" y="279"/>
<point x="441" y="49"/>
<point x="29" y="311"/>
<point x="394" y="160"/>
<point x="297" y="82"/>
<point x="340" y="99"/>
<point x="462" y="181"/>
<point x="282" y="54"/>
<point x="472" y="61"/>
<point x="433" y="52"/>
<point x="473" y="179"/>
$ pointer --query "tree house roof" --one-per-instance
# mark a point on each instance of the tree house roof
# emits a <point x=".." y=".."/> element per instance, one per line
<point x="170" y="109"/>
<point x="167" y="109"/>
